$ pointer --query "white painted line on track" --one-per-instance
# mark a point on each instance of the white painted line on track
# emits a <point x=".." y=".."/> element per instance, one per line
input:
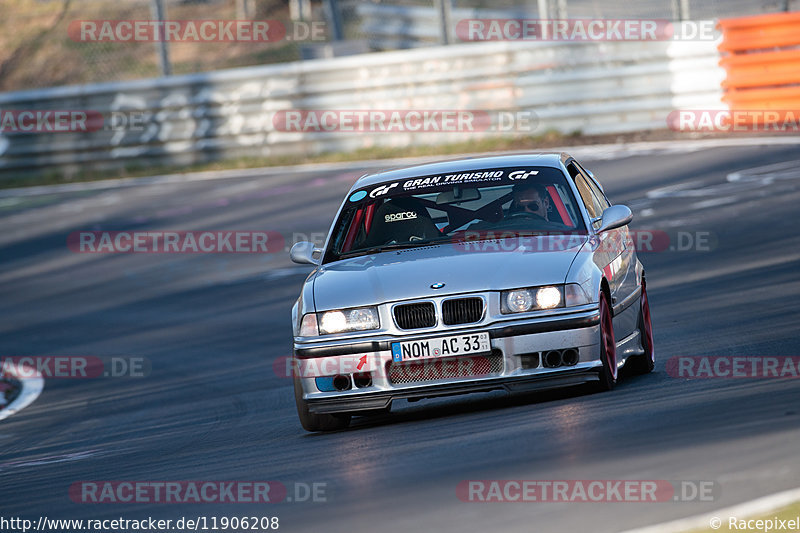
<point x="591" y="152"/>
<point x="767" y="173"/>
<point x="32" y="387"/>
<point x="714" y="202"/>
<point x="741" y="181"/>
<point x="50" y="459"/>
<point x="743" y="510"/>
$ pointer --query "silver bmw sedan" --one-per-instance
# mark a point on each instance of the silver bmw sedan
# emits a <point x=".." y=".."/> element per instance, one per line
<point x="508" y="272"/>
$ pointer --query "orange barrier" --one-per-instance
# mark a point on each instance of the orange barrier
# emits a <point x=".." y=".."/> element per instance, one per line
<point x="761" y="58"/>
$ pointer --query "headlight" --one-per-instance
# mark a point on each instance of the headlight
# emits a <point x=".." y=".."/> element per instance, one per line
<point x="534" y="299"/>
<point x="358" y="319"/>
<point x="333" y="322"/>
<point x="519" y="301"/>
<point x="548" y="297"/>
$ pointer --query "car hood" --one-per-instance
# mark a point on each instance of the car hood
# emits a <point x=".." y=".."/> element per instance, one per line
<point x="462" y="267"/>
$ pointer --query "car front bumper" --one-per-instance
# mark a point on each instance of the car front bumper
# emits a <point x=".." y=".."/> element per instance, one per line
<point x="514" y="341"/>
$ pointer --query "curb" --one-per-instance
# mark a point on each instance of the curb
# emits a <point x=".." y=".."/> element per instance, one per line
<point x="9" y="390"/>
<point x="28" y="389"/>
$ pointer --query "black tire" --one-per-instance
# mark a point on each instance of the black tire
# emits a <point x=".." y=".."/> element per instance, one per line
<point x="608" y="350"/>
<point x="645" y="363"/>
<point x="313" y="421"/>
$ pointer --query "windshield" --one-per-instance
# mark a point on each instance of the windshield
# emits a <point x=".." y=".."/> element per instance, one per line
<point x="418" y="211"/>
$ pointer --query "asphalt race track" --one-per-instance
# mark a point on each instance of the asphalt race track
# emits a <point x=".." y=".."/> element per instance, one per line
<point x="211" y="326"/>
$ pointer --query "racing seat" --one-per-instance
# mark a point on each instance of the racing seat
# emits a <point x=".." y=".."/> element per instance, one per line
<point x="400" y="220"/>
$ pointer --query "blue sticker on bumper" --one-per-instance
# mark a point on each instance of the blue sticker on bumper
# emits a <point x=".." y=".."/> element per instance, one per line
<point x="325" y="384"/>
<point x="397" y="355"/>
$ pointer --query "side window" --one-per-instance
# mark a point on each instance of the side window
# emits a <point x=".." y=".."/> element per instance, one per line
<point x="597" y="208"/>
<point x="591" y="203"/>
<point x="598" y="194"/>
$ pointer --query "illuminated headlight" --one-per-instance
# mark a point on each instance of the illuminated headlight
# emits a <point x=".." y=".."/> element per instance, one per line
<point x="533" y="299"/>
<point x="358" y="319"/>
<point x="548" y="297"/>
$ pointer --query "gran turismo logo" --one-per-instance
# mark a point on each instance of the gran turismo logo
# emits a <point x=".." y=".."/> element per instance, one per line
<point x="522" y="174"/>
<point x="383" y="189"/>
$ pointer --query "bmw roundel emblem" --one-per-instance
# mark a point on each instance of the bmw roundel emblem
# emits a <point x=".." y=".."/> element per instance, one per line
<point x="437" y="285"/>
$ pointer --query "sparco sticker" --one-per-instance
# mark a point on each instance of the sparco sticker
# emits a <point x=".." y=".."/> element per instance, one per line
<point x="394" y="217"/>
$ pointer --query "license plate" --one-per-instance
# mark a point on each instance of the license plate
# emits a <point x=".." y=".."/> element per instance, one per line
<point x="468" y="344"/>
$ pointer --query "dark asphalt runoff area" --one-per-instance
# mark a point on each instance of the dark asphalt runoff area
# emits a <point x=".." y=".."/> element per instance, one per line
<point x="211" y="326"/>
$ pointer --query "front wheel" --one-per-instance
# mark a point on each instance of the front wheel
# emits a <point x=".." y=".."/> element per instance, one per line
<point x="608" y="347"/>
<point x="313" y="421"/>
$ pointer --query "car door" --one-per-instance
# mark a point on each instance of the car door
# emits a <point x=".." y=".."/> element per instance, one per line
<point x="622" y="268"/>
<point x="615" y="256"/>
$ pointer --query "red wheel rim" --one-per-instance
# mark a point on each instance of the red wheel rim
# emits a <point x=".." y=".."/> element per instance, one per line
<point x="648" y="326"/>
<point x="607" y="332"/>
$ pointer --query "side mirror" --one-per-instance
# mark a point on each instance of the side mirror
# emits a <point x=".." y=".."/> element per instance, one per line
<point x="615" y="216"/>
<point x="303" y="253"/>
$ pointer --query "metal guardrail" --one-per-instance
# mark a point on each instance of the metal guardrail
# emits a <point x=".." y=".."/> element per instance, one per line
<point x="593" y="87"/>
<point x="392" y="27"/>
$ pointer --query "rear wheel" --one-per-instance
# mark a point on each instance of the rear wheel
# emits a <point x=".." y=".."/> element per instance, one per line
<point x="608" y="347"/>
<point x="646" y="362"/>
<point x="313" y="421"/>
